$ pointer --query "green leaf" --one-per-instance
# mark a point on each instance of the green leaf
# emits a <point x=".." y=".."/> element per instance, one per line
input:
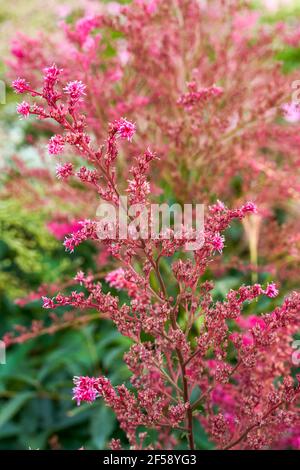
<point x="13" y="406"/>
<point x="102" y="426"/>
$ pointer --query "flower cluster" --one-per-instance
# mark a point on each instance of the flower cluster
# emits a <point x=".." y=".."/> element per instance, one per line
<point x="194" y="358"/>
<point x="179" y="70"/>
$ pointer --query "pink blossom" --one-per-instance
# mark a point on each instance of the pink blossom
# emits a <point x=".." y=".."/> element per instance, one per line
<point x="83" y="28"/>
<point x="246" y="20"/>
<point x="176" y="413"/>
<point x="198" y="96"/>
<point x="20" y="85"/>
<point x="75" y="89"/>
<point x="52" y="73"/>
<point x="271" y="290"/>
<point x="249" y="207"/>
<point x="87" y="230"/>
<point x="218" y="242"/>
<point x="17" y="49"/>
<point x="64" y="171"/>
<point x="80" y="277"/>
<point x="219" y="206"/>
<point x="51" y="77"/>
<point x="220" y="397"/>
<point x="291" y="112"/>
<point x="121" y="279"/>
<point x="125" y="129"/>
<point x="47" y="303"/>
<point x="24" y="109"/>
<point x="86" y="389"/>
<point x="250" y="321"/>
<point x="115" y="75"/>
<point x="56" y="145"/>
<point x="243" y="23"/>
<point x="61" y="229"/>
<point x="150" y="6"/>
<point x="292" y="38"/>
<point x="115" y="444"/>
<point x="87" y="176"/>
<point x="247" y="340"/>
<point x="177" y="328"/>
<point x="123" y="55"/>
<point x="113" y="8"/>
<point x="116" y="278"/>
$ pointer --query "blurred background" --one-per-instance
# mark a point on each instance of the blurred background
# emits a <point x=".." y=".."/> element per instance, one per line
<point x="36" y="410"/>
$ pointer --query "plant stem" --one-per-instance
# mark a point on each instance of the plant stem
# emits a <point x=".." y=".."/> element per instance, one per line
<point x="189" y="413"/>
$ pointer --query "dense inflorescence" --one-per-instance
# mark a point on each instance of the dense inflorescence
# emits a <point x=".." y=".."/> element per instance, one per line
<point x="224" y="125"/>
<point x="202" y="359"/>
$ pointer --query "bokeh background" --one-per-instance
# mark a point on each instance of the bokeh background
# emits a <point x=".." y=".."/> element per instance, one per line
<point x="36" y="410"/>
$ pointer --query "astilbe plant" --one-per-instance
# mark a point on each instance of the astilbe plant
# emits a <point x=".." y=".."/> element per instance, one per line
<point x="202" y="80"/>
<point x="192" y="358"/>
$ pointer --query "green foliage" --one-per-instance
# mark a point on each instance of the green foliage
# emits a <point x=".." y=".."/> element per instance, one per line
<point x="27" y="249"/>
<point x="36" y="381"/>
<point x="35" y="389"/>
<point x="290" y="56"/>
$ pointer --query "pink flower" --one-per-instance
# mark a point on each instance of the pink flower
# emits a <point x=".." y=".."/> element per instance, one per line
<point x="20" y="85"/>
<point x="75" y="89"/>
<point x="123" y="55"/>
<point x="56" y="145"/>
<point x="64" y="171"/>
<point x="198" y="96"/>
<point x="116" y="278"/>
<point x="87" y="230"/>
<point x="83" y="28"/>
<point x="48" y="303"/>
<point x="61" y="229"/>
<point x="249" y="207"/>
<point x="218" y="242"/>
<point x="24" y="109"/>
<point x="150" y="6"/>
<point x="86" y="389"/>
<point x="220" y="397"/>
<point x="291" y="112"/>
<point x="119" y="279"/>
<point x="243" y="23"/>
<point x="245" y="20"/>
<point x="219" y="206"/>
<point x="52" y="73"/>
<point x="177" y="413"/>
<point x="80" y="277"/>
<point x="17" y="49"/>
<point x="115" y="75"/>
<point x="172" y="316"/>
<point x="254" y="321"/>
<point x="125" y="129"/>
<point x="115" y="444"/>
<point x="271" y="290"/>
<point x="247" y="340"/>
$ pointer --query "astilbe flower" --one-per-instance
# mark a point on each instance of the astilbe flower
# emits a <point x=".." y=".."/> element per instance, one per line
<point x="256" y="397"/>
<point x="23" y="109"/>
<point x="291" y="112"/>
<point x="179" y="69"/>
<point x="64" y="171"/>
<point x="124" y="128"/>
<point x="271" y="290"/>
<point x="86" y="389"/>
<point x="56" y="145"/>
<point x="119" y="280"/>
<point x="20" y="85"/>
<point x="76" y="90"/>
